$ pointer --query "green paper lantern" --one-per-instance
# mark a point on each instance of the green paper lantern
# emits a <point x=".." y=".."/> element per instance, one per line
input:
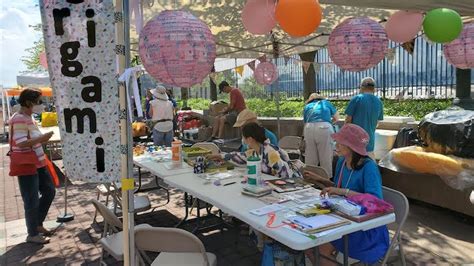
<point x="442" y="25"/>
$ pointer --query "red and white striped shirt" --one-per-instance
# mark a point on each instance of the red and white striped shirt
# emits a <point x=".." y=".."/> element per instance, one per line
<point x="23" y="128"/>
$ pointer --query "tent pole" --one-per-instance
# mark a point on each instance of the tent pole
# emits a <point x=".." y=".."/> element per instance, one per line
<point x="275" y="84"/>
<point x="123" y="45"/>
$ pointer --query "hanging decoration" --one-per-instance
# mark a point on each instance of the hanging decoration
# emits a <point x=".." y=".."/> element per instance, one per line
<point x="298" y="18"/>
<point x="409" y="46"/>
<point x="258" y="16"/>
<point x="306" y="66"/>
<point x="460" y="52"/>
<point x="213" y="77"/>
<point x="442" y="25"/>
<point x="251" y="64"/>
<point x="329" y="68"/>
<point x="403" y="26"/>
<point x="287" y="58"/>
<point x="357" y="44"/>
<point x="177" y="48"/>
<point x="266" y="73"/>
<point x="262" y="58"/>
<point x="42" y="60"/>
<point x="239" y="70"/>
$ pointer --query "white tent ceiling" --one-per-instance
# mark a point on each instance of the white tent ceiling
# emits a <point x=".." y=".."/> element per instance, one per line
<point x="233" y="41"/>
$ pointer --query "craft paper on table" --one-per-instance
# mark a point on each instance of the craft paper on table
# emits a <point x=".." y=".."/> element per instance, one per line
<point x="267" y="209"/>
<point x="80" y="40"/>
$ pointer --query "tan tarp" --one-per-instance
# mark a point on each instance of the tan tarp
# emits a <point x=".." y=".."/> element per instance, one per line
<point x="233" y="41"/>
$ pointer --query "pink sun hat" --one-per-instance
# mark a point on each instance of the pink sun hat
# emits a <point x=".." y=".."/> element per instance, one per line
<point x="354" y="137"/>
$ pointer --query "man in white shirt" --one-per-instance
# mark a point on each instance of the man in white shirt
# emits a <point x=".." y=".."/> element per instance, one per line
<point x="161" y="111"/>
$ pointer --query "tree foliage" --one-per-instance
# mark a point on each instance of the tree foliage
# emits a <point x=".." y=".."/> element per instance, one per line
<point x="31" y="60"/>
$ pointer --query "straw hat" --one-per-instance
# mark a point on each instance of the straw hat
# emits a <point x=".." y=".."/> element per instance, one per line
<point x="314" y="96"/>
<point x="244" y="117"/>
<point x="160" y="93"/>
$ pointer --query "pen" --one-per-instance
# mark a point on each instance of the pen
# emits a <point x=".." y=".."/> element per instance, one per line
<point x="229" y="184"/>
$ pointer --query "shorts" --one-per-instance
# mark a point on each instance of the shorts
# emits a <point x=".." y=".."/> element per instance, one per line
<point x="231" y="118"/>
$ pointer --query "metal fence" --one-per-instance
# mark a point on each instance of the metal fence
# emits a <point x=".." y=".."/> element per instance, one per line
<point x="421" y="75"/>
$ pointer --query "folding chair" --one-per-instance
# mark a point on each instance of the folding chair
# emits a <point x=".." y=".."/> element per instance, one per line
<point x="319" y="171"/>
<point x="401" y="206"/>
<point x="291" y="144"/>
<point x="176" y="247"/>
<point x="112" y="240"/>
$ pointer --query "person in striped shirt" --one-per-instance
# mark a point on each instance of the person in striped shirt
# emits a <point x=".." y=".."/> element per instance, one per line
<point x="25" y="136"/>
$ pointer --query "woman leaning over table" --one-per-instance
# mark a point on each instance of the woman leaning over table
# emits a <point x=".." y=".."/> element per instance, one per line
<point x="26" y="136"/>
<point x="318" y="116"/>
<point x="355" y="173"/>
<point x="275" y="161"/>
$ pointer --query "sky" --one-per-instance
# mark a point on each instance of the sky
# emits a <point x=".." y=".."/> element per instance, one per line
<point x="15" y="36"/>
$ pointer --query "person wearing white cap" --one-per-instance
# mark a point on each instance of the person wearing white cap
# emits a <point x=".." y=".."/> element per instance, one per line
<point x="161" y="112"/>
<point x="247" y="117"/>
<point x="318" y="116"/>
<point x="365" y="110"/>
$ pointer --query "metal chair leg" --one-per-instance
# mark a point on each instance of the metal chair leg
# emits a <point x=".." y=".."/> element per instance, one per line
<point x="400" y="251"/>
<point x="94" y="221"/>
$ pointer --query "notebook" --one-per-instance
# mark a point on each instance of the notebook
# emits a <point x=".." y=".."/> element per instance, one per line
<point x="318" y="223"/>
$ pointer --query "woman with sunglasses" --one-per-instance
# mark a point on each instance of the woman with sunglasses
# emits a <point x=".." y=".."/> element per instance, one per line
<point x="37" y="190"/>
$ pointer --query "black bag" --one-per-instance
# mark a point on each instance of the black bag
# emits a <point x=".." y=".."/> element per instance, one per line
<point x="405" y="137"/>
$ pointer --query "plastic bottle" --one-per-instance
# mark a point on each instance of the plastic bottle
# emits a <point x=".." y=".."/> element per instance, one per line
<point x="176" y="152"/>
<point x="254" y="170"/>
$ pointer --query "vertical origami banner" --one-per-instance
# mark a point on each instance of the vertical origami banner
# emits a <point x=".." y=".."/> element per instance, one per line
<point x="80" y="40"/>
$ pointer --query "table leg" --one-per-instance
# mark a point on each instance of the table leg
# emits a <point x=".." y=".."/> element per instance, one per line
<point x="346" y="250"/>
<point x="186" y="210"/>
<point x="317" y="258"/>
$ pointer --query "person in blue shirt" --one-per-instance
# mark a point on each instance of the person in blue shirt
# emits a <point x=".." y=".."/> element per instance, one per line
<point x="365" y="110"/>
<point x="318" y="116"/>
<point x="355" y="173"/>
<point x="246" y="117"/>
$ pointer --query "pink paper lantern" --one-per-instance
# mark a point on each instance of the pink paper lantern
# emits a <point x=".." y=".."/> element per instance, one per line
<point x="258" y="16"/>
<point x="403" y="26"/>
<point x="42" y="60"/>
<point x="266" y="73"/>
<point x="177" y="48"/>
<point x="357" y="44"/>
<point x="460" y="52"/>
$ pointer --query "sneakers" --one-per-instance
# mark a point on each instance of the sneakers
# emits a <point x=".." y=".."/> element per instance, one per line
<point x="37" y="239"/>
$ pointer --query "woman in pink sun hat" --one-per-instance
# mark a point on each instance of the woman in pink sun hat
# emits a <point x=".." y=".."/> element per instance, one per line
<point x="355" y="173"/>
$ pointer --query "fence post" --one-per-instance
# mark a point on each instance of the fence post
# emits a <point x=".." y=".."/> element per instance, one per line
<point x="384" y="78"/>
<point x="463" y="89"/>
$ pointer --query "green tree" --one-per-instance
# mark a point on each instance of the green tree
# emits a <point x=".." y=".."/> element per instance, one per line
<point x="251" y="89"/>
<point x="31" y="60"/>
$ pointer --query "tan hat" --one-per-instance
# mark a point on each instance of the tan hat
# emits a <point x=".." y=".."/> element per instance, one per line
<point x="314" y="96"/>
<point x="244" y="117"/>
<point x="367" y="82"/>
<point x="160" y="93"/>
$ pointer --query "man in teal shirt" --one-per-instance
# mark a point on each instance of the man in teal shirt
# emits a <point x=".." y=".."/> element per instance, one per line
<point x="365" y="110"/>
<point x="247" y="116"/>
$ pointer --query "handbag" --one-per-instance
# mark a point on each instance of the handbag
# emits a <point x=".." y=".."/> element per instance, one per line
<point x="22" y="162"/>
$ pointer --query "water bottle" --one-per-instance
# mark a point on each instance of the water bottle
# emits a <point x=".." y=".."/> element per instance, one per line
<point x="254" y="170"/>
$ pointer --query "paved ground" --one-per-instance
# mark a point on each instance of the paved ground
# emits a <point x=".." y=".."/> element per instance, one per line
<point x="431" y="236"/>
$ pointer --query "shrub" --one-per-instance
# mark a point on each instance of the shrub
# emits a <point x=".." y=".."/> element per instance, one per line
<point x="293" y="107"/>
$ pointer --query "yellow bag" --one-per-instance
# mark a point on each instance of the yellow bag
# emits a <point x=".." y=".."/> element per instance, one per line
<point x="49" y="119"/>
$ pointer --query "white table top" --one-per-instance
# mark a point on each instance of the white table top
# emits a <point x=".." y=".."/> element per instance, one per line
<point x="156" y="164"/>
<point x="56" y="136"/>
<point x="230" y="200"/>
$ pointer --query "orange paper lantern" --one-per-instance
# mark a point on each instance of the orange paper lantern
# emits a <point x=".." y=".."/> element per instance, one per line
<point x="298" y="18"/>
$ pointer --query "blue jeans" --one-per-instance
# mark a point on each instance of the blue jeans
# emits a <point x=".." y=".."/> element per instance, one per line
<point x="36" y="207"/>
<point x="162" y="138"/>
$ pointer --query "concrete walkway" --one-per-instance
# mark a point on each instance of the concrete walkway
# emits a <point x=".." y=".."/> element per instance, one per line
<point x="431" y="236"/>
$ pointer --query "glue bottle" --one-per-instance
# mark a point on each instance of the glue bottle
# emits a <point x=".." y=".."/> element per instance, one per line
<point x="176" y="152"/>
<point x="254" y="170"/>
